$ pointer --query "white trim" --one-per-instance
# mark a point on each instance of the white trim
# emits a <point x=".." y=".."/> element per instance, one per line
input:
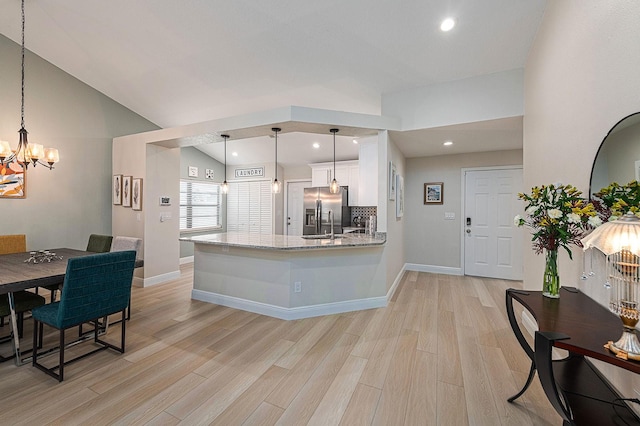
<point x="158" y="279"/>
<point x="463" y="187"/>
<point x="289" y="313"/>
<point x="396" y="282"/>
<point x="186" y="259"/>
<point x="434" y="269"/>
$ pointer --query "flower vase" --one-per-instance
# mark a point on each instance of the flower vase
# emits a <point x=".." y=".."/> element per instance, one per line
<point x="551" y="280"/>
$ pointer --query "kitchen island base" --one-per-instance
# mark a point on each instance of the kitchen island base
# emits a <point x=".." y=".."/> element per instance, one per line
<point x="264" y="281"/>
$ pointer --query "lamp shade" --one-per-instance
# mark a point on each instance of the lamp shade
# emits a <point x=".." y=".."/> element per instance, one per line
<point x="612" y="237"/>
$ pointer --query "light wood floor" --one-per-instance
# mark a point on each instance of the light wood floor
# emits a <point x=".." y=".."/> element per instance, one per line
<point x="441" y="353"/>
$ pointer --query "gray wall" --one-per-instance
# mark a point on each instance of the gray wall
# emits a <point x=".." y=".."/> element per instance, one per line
<point x="428" y="238"/>
<point x="193" y="157"/>
<point x="65" y="205"/>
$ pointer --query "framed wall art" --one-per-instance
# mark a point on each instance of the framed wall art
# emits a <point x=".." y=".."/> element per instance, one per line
<point x="13" y="180"/>
<point x="126" y="191"/>
<point x="433" y="192"/>
<point x="117" y="189"/>
<point x="392" y="181"/>
<point x="400" y="196"/>
<point x="136" y="194"/>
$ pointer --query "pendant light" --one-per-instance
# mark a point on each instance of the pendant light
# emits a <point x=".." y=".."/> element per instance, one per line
<point x="26" y="152"/>
<point x="276" y="186"/>
<point x="225" y="185"/>
<point x="334" y="188"/>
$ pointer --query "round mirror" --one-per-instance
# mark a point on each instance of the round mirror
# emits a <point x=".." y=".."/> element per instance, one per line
<point x="618" y="159"/>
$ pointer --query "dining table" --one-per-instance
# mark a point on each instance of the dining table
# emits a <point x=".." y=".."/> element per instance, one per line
<point x="17" y="273"/>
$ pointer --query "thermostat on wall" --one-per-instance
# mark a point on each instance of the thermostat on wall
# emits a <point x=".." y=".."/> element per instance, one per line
<point x="165" y="201"/>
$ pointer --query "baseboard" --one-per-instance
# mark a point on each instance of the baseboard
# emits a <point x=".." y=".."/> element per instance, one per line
<point x="396" y="282"/>
<point x="187" y="259"/>
<point x="158" y="279"/>
<point x="445" y="270"/>
<point x="289" y="313"/>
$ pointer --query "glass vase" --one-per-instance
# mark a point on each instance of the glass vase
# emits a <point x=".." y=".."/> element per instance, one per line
<point x="551" y="279"/>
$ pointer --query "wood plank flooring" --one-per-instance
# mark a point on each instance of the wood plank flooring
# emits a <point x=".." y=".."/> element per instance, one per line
<point x="440" y="353"/>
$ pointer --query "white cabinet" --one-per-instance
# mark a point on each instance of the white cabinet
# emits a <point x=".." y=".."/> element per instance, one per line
<point x="321" y="175"/>
<point x="347" y="173"/>
<point x="368" y="179"/>
<point x="250" y="207"/>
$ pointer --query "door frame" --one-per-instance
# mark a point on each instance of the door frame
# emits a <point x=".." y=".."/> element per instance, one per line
<point x="463" y="189"/>
<point x="286" y="200"/>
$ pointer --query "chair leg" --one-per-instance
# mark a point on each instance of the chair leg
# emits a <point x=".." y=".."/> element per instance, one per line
<point x="20" y="318"/>
<point x="34" y="358"/>
<point x="40" y="334"/>
<point x="123" y="331"/>
<point x="61" y="369"/>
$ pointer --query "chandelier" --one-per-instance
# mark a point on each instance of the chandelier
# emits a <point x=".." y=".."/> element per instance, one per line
<point x="27" y="153"/>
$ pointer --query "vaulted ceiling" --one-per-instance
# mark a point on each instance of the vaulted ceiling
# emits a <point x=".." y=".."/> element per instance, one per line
<point x="181" y="62"/>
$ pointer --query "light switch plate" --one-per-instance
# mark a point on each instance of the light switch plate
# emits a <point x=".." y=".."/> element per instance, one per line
<point x="449" y="216"/>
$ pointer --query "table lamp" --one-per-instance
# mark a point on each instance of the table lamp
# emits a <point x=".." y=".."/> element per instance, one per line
<point x="619" y="240"/>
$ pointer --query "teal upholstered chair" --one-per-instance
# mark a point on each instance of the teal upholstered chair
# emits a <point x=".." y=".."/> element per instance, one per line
<point x="97" y="244"/>
<point x="94" y="287"/>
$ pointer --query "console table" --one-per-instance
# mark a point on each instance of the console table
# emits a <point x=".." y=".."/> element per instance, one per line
<point x="578" y="324"/>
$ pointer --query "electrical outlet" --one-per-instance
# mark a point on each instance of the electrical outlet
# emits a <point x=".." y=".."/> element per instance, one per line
<point x="297" y="287"/>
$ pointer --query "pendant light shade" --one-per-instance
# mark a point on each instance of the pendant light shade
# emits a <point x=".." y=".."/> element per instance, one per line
<point x="276" y="186"/>
<point x="334" y="188"/>
<point x="225" y="185"/>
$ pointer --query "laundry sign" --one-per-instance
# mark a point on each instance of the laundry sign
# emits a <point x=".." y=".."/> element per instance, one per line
<point x="250" y="172"/>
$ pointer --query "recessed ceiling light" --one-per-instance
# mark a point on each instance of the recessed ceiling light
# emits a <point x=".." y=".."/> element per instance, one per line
<point x="355" y="141"/>
<point x="316" y="145"/>
<point x="235" y="154"/>
<point x="447" y="24"/>
<point x="448" y="143"/>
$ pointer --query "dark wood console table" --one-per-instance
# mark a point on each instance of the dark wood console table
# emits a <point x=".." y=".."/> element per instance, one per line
<point x="578" y="324"/>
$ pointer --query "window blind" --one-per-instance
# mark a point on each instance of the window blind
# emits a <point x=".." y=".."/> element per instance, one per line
<point x="199" y="205"/>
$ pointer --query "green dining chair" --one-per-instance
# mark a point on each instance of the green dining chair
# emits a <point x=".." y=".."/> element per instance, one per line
<point x="99" y="243"/>
<point x="94" y="287"/>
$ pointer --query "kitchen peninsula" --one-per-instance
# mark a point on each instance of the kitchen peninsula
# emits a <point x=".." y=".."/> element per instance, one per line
<point x="290" y="277"/>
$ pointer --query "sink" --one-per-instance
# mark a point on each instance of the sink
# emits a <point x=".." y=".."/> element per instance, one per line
<point x="321" y="237"/>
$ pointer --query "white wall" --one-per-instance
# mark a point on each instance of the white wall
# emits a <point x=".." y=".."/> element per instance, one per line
<point x="429" y="239"/>
<point x="581" y="79"/>
<point x="191" y="156"/>
<point x="65" y="205"/>
<point x="479" y="98"/>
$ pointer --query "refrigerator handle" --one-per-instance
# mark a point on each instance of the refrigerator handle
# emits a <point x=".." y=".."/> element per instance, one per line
<point x="318" y="216"/>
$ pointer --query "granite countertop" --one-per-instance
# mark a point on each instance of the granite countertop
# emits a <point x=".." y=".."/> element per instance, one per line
<point x="285" y="242"/>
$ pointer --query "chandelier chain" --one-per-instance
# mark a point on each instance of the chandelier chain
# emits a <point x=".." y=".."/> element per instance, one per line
<point x="22" y="72"/>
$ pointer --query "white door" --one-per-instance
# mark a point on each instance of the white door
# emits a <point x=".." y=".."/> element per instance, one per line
<point x="492" y="243"/>
<point x="295" y="207"/>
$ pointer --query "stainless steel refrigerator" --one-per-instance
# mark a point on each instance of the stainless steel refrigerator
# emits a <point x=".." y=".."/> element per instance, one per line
<point x="318" y="202"/>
